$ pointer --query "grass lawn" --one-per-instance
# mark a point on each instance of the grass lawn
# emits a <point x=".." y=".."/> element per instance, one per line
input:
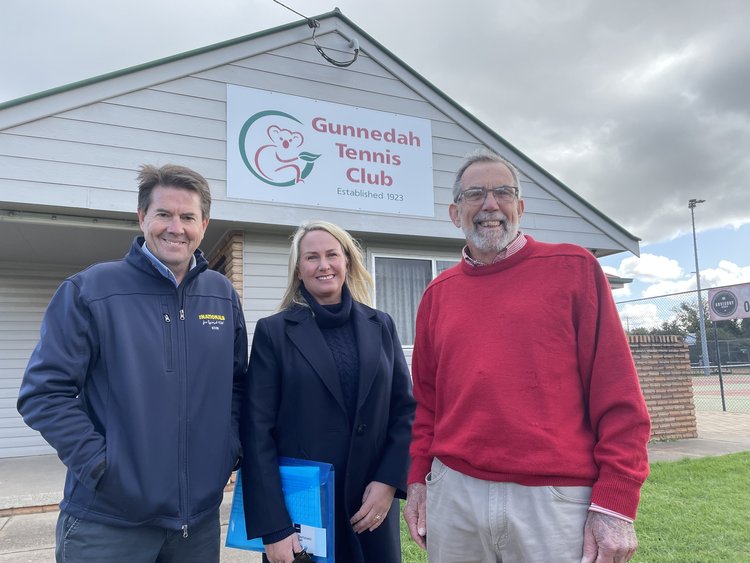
<point x="695" y="510"/>
<point x="410" y="552"/>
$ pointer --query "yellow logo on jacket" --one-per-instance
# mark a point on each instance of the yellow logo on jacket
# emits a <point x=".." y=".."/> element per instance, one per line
<point x="212" y="320"/>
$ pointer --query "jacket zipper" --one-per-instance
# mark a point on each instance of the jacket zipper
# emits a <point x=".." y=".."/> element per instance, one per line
<point x="181" y="335"/>
<point x="183" y="338"/>
<point x="168" y="337"/>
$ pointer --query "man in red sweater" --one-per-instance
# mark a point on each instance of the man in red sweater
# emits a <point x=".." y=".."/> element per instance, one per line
<point x="529" y="442"/>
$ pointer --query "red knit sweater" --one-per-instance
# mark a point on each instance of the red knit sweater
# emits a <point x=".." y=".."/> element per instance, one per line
<point x="523" y="373"/>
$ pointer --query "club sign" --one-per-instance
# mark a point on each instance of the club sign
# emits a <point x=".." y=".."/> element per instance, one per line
<point x="301" y="151"/>
<point x="731" y="302"/>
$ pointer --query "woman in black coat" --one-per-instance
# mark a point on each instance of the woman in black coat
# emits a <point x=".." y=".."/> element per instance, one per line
<point x="328" y="382"/>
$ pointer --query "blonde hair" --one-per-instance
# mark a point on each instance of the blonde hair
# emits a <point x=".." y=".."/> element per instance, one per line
<point x="358" y="279"/>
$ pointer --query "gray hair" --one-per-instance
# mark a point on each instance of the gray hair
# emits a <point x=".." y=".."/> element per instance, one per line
<point x="484" y="155"/>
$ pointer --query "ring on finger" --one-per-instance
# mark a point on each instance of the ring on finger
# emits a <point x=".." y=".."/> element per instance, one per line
<point x="378" y="517"/>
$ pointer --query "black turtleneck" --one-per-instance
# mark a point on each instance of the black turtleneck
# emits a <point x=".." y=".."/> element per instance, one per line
<point x="334" y="321"/>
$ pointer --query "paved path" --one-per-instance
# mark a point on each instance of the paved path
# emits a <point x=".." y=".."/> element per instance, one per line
<point x="719" y="433"/>
<point x="30" y="538"/>
<point x="714" y="424"/>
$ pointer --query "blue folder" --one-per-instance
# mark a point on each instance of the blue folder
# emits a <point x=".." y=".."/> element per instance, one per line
<point x="308" y="488"/>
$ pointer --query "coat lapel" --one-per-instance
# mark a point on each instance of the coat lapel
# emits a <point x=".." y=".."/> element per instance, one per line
<point x="369" y="336"/>
<point x="306" y="336"/>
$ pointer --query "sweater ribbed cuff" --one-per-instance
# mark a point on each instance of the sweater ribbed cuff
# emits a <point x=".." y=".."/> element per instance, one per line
<point x="420" y="467"/>
<point x="617" y="493"/>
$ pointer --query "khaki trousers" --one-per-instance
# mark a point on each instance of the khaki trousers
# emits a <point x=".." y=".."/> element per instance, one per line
<point x="474" y="521"/>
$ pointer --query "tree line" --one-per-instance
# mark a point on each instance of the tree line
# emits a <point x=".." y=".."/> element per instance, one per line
<point x="733" y="334"/>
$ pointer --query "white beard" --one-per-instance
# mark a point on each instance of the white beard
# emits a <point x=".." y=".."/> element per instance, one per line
<point x="490" y="241"/>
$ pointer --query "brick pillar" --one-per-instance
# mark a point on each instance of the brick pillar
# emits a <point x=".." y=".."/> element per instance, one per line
<point x="664" y="371"/>
<point x="228" y="259"/>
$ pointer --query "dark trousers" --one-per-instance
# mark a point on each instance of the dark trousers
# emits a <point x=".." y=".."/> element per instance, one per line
<point x="85" y="541"/>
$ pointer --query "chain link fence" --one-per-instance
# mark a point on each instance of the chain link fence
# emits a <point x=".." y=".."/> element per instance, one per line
<point x="722" y="380"/>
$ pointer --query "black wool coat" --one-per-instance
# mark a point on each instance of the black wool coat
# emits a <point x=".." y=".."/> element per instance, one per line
<point x="294" y="406"/>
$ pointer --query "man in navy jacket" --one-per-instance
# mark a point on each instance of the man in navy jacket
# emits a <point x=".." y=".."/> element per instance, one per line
<point x="136" y="383"/>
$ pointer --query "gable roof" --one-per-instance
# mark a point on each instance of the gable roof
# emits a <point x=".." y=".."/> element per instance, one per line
<point x="88" y="91"/>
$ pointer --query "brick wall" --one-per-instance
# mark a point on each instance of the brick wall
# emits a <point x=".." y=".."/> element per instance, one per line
<point x="228" y="259"/>
<point x="664" y="370"/>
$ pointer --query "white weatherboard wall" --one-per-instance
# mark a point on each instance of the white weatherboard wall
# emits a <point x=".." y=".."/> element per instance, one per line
<point x="266" y="259"/>
<point x="25" y="291"/>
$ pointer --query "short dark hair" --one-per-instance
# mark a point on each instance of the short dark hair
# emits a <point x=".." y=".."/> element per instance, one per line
<point x="171" y="175"/>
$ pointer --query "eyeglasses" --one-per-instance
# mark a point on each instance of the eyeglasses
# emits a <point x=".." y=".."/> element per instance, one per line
<point x="473" y="196"/>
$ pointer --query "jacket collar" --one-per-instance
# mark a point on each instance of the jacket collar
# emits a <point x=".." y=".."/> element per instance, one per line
<point x="304" y="333"/>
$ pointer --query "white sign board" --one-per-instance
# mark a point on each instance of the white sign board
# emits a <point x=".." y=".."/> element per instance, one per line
<point x="731" y="302"/>
<point x="301" y="151"/>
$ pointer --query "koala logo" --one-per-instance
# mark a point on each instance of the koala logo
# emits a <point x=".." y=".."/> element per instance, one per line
<point x="281" y="156"/>
<point x="280" y="162"/>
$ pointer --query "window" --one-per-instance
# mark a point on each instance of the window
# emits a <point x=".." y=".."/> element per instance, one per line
<point x="399" y="284"/>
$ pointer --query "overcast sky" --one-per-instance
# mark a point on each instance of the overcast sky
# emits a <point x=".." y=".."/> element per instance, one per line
<point x="636" y="105"/>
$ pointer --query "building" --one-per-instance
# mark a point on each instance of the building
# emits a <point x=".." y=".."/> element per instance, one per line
<point x="283" y="136"/>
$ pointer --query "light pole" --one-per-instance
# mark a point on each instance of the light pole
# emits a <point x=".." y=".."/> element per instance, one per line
<point x="701" y="318"/>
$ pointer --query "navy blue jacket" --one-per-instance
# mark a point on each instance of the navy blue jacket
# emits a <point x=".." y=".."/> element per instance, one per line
<point x="294" y="407"/>
<point x="137" y="384"/>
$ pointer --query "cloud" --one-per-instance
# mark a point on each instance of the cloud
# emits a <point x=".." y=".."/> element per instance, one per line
<point x="727" y="273"/>
<point x="647" y="111"/>
<point x="622" y="293"/>
<point x="650" y="268"/>
<point x="640" y="315"/>
<point x="669" y="288"/>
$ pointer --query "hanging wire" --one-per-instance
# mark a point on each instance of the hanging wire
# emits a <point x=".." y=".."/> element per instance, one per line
<point x="290" y="9"/>
<point x="314" y="25"/>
